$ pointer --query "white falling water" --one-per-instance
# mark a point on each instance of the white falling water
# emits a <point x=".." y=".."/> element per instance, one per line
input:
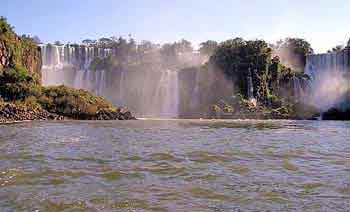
<point x="330" y="74"/>
<point x="79" y="79"/>
<point x="195" y="99"/>
<point x="297" y="88"/>
<point x="250" y="87"/>
<point x="102" y="82"/>
<point x="168" y="94"/>
<point x="60" y="63"/>
<point x="149" y="93"/>
<point x="121" y="86"/>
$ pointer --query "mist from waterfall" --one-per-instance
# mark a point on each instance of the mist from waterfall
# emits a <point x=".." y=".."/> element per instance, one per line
<point x="330" y="78"/>
<point x="152" y="92"/>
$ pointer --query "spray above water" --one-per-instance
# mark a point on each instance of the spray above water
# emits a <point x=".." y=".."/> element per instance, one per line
<point x="330" y="77"/>
<point x="149" y="91"/>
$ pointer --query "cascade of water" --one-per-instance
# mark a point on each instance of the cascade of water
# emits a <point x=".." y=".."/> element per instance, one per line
<point x="167" y="94"/>
<point x="195" y="100"/>
<point x="250" y="87"/>
<point x="100" y="82"/>
<point x="174" y="98"/>
<point x="78" y="79"/>
<point x="121" y="86"/>
<point x="149" y="92"/>
<point x="329" y="75"/>
<point x="297" y="88"/>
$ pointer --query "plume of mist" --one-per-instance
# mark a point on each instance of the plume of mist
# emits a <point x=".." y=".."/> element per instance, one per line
<point x="330" y="89"/>
<point x="288" y="58"/>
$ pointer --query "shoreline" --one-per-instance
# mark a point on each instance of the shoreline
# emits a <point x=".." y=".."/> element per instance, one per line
<point x="165" y="119"/>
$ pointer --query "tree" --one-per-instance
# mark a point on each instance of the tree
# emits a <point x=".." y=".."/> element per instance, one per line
<point x="36" y="39"/>
<point x="183" y="46"/>
<point x="208" y="47"/>
<point x="104" y="42"/>
<point x="337" y="48"/>
<point x="89" y="42"/>
<point x="146" y="46"/>
<point x="58" y="43"/>
<point x="4" y="26"/>
<point x="168" y="53"/>
<point x="239" y="59"/>
<point x="132" y="47"/>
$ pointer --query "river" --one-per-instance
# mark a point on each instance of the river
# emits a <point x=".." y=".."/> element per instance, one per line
<point x="175" y="165"/>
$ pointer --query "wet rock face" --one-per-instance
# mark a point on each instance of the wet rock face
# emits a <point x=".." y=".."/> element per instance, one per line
<point x="4" y="55"/>
<point x="31" y="59"/>
<point x="28" y="56"/>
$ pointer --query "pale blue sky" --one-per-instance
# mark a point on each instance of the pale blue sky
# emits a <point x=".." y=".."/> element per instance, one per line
<point x="323" y="23"/>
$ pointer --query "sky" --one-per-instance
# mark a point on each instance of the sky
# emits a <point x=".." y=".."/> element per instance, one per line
<point x="323" y="23"/>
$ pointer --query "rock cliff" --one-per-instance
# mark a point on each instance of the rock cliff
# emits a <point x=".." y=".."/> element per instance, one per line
<point x="20" y="51"/>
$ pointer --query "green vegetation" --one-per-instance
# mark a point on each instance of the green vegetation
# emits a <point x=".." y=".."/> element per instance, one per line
<point x="237" y="57"/>
<point x="127" y="54"/>
<point x="18" y="86"/>
<point x="20" y="52"/>
<point x="273" y="81"/>
<point x="72" y="102"/>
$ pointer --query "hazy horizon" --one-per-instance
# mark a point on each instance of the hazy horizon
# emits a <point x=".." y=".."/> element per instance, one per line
<point x="320" y="23"/>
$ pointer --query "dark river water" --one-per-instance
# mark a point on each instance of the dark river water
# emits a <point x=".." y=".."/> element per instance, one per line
<point x="175" y="165"/>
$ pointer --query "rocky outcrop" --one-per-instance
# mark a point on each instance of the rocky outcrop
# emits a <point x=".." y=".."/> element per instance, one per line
<point x="336" y="114"/>
<point x="18" y="51"/>
<point x="5" y="55"/>
<point x="31" y="60"/>
<point x="11" y="113"/>
<point x="27" y="56"/>
<point x="118" y="115"/>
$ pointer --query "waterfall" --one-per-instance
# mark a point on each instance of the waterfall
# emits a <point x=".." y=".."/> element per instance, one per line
<point x="68" y="65"/>
<point x="250" y="88"/>
<point x="195" y="99"/>
<point x="250" y="85"/>
<point x="121" y="83"/>
<point x="79" y="79"/>
<point x="330" y="75"/>
<point x="101" y="82"/>
<point x="167" y="94"/>
<point x="145" y="92"/>
<point x="298" y="91"/>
